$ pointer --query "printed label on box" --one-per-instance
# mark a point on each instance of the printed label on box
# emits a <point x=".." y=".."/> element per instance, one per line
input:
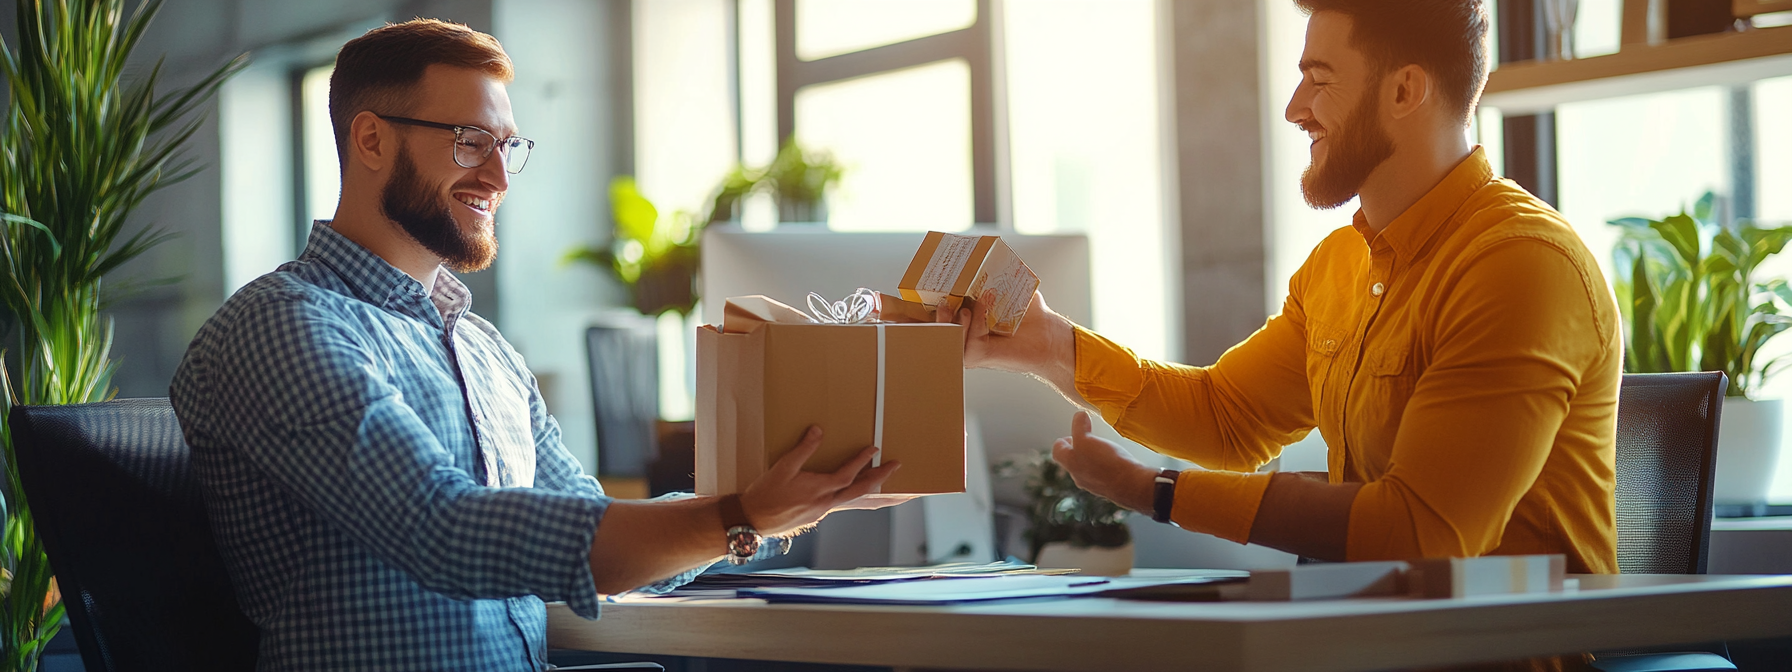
<point x="947" y="263"/>
<point x="1010" y="286"/>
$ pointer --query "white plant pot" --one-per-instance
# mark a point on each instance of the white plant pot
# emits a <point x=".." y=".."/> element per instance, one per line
<point x="1748" y="449"/>
<point x="1095" y="560"/>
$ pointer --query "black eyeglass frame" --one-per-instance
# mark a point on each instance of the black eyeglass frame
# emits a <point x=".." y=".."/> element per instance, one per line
<point x="460" y="131"/>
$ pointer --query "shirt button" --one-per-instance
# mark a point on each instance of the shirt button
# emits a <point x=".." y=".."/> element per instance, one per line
<point x="1377" y="289"/>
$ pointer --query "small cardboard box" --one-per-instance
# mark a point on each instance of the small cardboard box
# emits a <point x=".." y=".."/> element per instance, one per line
<point x="951" y="268"/>
<point x="769" y="373"/>
<point x="896" y="309"/>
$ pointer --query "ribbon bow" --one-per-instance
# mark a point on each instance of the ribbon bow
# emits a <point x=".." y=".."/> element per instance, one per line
<point x="860" y="307"/>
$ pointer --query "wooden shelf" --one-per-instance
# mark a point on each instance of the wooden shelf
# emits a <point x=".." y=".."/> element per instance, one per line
<point x="1706" y="60"/>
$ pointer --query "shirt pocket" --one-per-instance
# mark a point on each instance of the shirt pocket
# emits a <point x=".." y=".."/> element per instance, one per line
<point x="1390" y="358"/>
<point x="1324" y="342"/>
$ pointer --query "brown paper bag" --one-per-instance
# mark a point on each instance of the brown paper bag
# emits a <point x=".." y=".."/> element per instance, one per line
<point x="763" y="378"/>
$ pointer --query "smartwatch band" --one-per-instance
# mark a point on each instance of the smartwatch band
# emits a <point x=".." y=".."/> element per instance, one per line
<point x="1164" y="495"/>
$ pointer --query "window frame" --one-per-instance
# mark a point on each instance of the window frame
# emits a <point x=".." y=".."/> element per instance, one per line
<point x="973" y="44"/>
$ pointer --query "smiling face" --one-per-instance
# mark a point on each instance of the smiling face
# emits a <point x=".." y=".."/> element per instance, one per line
<point x="444" y="207"/>
<point x="1338" y="104"/>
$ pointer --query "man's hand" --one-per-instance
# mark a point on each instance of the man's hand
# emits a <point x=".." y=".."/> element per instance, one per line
<point x="1044" y="345"/>
<point x="786" y="498"/>
<point x="1104" y="468"/>
<point x="874" y="502"/>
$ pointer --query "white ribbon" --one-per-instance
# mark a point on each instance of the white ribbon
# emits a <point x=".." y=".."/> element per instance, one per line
<point x="860" y="307"/>
<point x="877" y="423"/>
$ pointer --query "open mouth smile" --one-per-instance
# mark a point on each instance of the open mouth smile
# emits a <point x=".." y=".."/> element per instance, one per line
<point x="481" y="205"/>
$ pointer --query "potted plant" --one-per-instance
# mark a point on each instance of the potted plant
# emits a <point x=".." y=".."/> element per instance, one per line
<point x="1691" y="302"/>
<point x="654" y="256"/>
<point x="799" y="180"/>
<point x="79" y="150"/>
<point x="735" y="186"/>
<point x="1067" y="526"/>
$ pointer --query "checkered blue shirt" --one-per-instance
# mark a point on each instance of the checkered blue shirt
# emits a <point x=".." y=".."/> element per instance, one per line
<point x="385" y="483"/>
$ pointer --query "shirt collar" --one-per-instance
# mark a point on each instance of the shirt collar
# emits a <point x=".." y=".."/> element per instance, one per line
<point x="1412" y="229"/>
<point x="374" y="280"/>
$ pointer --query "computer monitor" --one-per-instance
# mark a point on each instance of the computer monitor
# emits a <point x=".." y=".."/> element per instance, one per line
<point x="1015" y="414"/>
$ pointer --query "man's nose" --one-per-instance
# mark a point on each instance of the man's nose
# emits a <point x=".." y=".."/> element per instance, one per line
<point x="1297" y="106"/>
<point x="495" y="173"/>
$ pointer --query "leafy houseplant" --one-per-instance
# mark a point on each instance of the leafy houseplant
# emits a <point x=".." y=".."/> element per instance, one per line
<point x="1689" y="298"/>
<point x="654" y="256"/>
<point x="1691" y="302"/>
<point x="79" y="150"/>
<point x="1060" y="512"/>
<point x="799" y="179"/>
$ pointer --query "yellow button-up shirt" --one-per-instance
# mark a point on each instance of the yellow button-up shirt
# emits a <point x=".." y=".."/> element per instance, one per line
<point x="1463" y="365"/>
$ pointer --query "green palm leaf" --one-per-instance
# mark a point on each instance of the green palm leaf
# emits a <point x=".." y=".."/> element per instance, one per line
<point x="80" y="148"/>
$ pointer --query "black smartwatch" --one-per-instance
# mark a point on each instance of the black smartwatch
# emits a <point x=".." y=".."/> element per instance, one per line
<point x="743" y="538"/>
<point x="1163" y="496"/>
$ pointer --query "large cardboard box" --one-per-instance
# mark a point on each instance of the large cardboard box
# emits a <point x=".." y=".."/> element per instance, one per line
<point x="769" y="373"/>
<point x="951" y="268"/>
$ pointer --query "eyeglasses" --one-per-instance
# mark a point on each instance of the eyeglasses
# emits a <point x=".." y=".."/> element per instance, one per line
<point x="474" y="145"/>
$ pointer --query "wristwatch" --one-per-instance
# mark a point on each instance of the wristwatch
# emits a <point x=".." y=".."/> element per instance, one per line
<point x="743" y="538"/>
<point x="1163" y="497"/>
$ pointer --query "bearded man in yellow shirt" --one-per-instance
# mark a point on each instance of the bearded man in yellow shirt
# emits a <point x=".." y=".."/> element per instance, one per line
<point x="1456" y="345"/>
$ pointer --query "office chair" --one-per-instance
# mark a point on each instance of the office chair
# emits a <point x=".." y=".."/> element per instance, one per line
<point x="623" y="357"/>
<point x="116" y="503"/>
<point x="119" y="510"/>
<point x="1667" y="453"/>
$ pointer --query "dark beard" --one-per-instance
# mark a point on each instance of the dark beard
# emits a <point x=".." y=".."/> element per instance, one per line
<point x="420" y="212"/>
<point x="1357" y="150"/>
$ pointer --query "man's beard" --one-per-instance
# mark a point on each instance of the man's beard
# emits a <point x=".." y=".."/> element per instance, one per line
<point x="421" y="213"/>
<point x="1358" y="148"/>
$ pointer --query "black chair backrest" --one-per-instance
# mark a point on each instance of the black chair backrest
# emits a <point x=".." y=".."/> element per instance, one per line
<point x="625" y="394"/>
<point x="112" y="489"/>
<point x="1667" y="452"/>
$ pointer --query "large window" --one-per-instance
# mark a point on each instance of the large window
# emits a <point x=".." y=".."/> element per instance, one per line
<point x="905" y="138"/>
<point x="954" y="113"/>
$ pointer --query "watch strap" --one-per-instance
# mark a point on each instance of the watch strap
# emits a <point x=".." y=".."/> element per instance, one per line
<point x="1163" y="496"/>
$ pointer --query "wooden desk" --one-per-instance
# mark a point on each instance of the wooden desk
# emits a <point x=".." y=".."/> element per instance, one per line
<point x="1105" y="634"/>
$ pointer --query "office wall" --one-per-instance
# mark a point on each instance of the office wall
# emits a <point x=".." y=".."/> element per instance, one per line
<point x="570" y="55"/>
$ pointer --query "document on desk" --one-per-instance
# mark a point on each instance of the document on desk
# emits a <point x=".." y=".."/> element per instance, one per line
<point x="796" y="577"/>
<point x="946" y="591"/>
<point x="936" y="592"/>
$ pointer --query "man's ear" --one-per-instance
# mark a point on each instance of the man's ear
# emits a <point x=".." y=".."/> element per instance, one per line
<point x="369" y="143"/>
<point x="1407" y="89"/>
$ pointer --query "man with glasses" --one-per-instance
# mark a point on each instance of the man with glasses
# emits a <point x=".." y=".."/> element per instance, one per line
<point x="385" y="483"/>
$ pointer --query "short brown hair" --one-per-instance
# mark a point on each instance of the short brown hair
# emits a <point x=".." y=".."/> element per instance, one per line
<point x="1447" y="38"/>
<point x="378" y="71"/>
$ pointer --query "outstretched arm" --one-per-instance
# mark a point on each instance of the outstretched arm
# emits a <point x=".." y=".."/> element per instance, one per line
<point x="1043" y="347"/>
<point x="641" y="542"/>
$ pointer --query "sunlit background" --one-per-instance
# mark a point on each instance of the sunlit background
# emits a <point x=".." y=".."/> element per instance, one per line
<point x="1080" y="110"/>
